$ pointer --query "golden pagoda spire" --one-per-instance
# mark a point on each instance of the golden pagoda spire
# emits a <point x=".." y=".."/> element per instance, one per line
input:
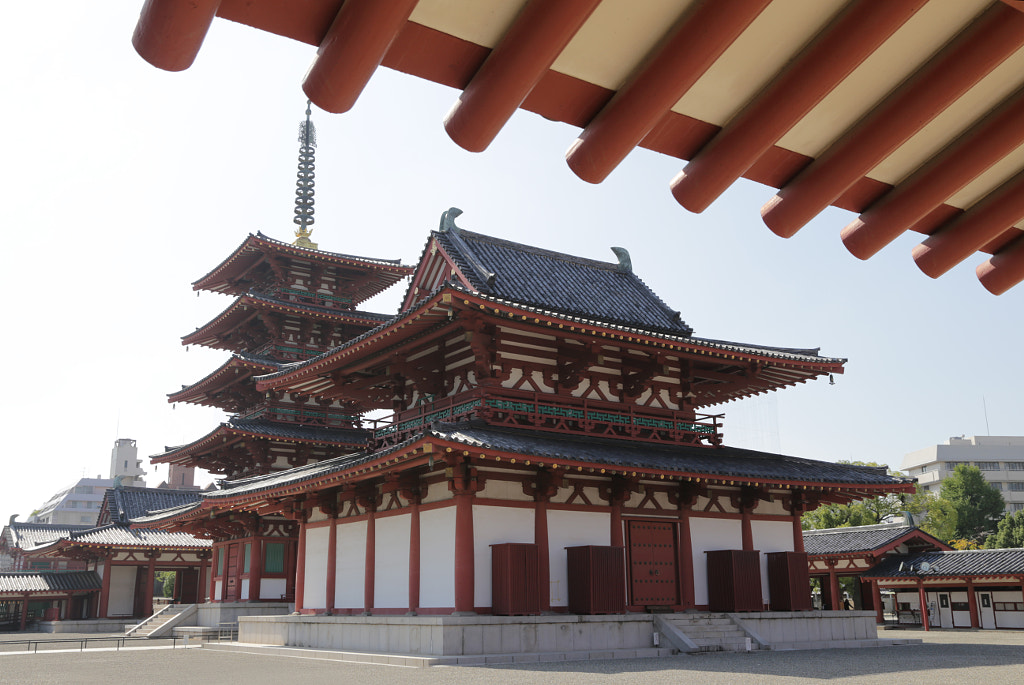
<point x="304" y="185"/>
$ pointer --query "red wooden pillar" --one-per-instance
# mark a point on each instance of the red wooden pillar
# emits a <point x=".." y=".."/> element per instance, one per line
<point x="972" y="602"/>
<point x="204" y="568"/>
<point x="176" y="593"/>
<point x="332" y="561"/>
<point x="105" y="588"/>
<point x="414" y="555"/>
<point x="300" y="564"/>
<point x="464" y="557"/>
<point x="924" y="605"/>
<point x="540" y="538"/>
<point x="616" y="522"/>
<point x="748" y="533"/>
<point x="833" y="587"/>
<point x="147" y="597"/>
<point x="370" y="572"/>
<point x="255" y="568"/>
<point x="876" y="596"/>
<point x="24" y="613"/>
<point x="685" y="553"/>
<point x="798" y="532"/>
<point x="213" y="574"/>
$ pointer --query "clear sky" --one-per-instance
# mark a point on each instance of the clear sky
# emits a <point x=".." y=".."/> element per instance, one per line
<point x="121" y="184"/>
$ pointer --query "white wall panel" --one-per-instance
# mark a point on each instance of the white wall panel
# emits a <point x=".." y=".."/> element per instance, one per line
<point x="314" y="593"/>
<point x="350" y="571"/>
<point x="770" y="536"/>
<point x="122" y="591"/>
<point x="273" y="588"/>
<point x="572" y="529"/>
<point x="491" y="526"/>
<point x="708" y="534"/>
<point x="391" y="562"/>
<point x="437" y="557"/>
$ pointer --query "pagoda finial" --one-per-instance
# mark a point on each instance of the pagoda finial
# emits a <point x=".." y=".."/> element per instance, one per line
<point x="304" y="185"/>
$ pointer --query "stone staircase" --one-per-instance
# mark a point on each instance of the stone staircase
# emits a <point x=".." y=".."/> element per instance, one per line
<point x="705" y="633"/>
<point x="162" y="622"/>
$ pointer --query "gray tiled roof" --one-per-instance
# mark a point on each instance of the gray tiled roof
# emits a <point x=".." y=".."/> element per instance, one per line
<point x="712" y="461"/>
<point x="120" y="535"/>
<point x="274" y="429"/>
<point x="973" y="562"/>
<point x="349" y="436"/>
<point x="130" y="502"/>
<point x="853" y="538"/>
<point x="34" y="581"/>
<point x="31" y="534"/>
<point x="562" y="282"/>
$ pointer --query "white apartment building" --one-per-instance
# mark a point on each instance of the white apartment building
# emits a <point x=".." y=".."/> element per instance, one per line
<point x="1000" y="458"/>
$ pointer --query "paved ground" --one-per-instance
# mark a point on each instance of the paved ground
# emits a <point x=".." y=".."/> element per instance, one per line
<point x="974" y="657"/>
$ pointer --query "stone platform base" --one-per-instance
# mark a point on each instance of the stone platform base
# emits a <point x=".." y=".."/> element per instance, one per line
<point x="424" y="661"/>
<point x="91" y="625"/>
<point x="489" y="637"/>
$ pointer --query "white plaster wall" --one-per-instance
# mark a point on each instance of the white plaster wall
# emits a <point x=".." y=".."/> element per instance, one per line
<point x="316" y="515"/>
<point x="770" y="536"/>
<point x="572" y="529"/>
<point x="776" y="507"/>
<point x="1008" y="619"/>
<point x="273" y="588"/>
<point x="436" y="493"/>
<point x="245" y="589"/>
<point x="491" y="526"/>
<point x="708" y="534"/>
<point x="391" y="562"/>
<point x="122" y="591"/>
<point x="503" y="489"/>
<point x="911" y="598"/>
<point x="350" y="570"/>
<point x="218" y="589"/>
<point x="437" y="557"/>
<point x="314" y="592"/>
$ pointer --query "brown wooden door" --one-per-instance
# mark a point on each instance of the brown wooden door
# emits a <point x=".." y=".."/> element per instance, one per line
<point x="231" y="579"/>
<point x="652" y="564"/>
<point x="189" y="586"/>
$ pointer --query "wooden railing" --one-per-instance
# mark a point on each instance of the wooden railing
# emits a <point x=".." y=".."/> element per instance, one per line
<point x="551" y="413"/>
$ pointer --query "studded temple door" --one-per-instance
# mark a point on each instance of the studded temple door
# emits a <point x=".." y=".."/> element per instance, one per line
<point x="652" y="564"/>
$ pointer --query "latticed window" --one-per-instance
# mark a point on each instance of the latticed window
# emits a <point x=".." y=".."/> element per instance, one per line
<point x="987" y="465"/>
<point x="1015" y="466"/>
<point x="274" y="562"/>
<point x="1017" y="486"/>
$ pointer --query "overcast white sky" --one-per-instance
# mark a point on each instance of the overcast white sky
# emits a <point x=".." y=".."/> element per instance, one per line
<point x="121" y="184"/>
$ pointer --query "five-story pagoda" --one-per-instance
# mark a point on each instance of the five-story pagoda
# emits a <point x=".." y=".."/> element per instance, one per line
<point x="292" y="303"/>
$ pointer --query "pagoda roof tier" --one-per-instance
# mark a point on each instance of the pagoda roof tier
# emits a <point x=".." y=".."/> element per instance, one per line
<point x="253" y="445"/>
<point x="226" y="330"/>
<point x="525" y="449"/>
<point x="260" y="262"/>
<point x="726" y="370"/>
<point x="229" y="385"/>
<point x="542" y="279"/>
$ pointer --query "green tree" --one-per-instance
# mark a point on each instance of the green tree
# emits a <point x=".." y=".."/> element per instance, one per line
<point x="1009" y="534"/>
<point x="978" y="505"/>
<point x="864" y="513"/>
<point x="164" y="586"/>
<point x="933" y="515"/>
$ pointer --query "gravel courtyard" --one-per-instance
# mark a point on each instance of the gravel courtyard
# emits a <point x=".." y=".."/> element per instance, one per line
<point x="988" y="657"/>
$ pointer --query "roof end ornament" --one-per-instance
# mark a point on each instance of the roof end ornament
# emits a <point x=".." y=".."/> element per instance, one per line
<point x="306" y="179"/>
<point x="448" y="221"/>
<point x="625" y="263"/>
